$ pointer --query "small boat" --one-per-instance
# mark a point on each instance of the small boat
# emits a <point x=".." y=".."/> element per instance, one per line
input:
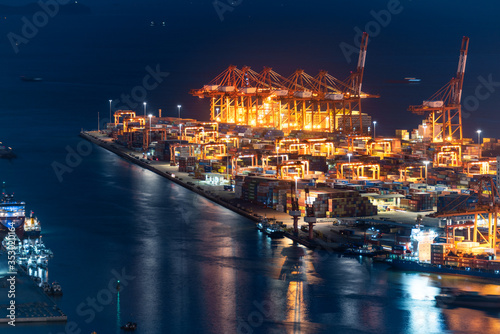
<point x="56" y="289"/>
<point x="46" y="288"/>
<point x="275" y="231"/>
<point x="264" y="223"/>
<point x="471" y="299"/>
<point x="31" y="79"/>
<point x="129" y="326"/>
<point x="412" y="79"/>
<point x="366" y="250"/>
<point x="407" y="80"/>
<point x="6" y="152"/>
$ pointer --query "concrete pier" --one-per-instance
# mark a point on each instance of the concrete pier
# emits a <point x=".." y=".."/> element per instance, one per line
<point x="326" y="236"/>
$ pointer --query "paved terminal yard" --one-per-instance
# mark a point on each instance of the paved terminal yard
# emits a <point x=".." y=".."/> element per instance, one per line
<point x="328" y="235"/>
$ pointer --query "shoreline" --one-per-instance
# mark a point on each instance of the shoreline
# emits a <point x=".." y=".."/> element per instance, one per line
<point x="114" y="149"/>
<point x="326" y="236"/>
<point x="249" y="211"/>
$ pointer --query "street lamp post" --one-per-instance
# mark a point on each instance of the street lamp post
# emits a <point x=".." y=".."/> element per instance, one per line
<point x="149" y="142"/>
<point x="144" y="103"/>
<point x="110" y="119"/>
<point x="227" y="164"/>
<point x="374" y="125"/>
<point x="479" y="141"/>
<point x="179" y="116"/>
<point x="349" y="156"/>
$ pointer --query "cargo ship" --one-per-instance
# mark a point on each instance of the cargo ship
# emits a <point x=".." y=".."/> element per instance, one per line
<point x="461" y="298"/>
<point x="493" y="272"/>
<point x="12" y="214"/>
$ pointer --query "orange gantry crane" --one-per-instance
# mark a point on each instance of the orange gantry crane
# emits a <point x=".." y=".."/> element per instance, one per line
<point x="485" y="214"/>
<point x="299" y="102"/>
<point x="443" y="108"/>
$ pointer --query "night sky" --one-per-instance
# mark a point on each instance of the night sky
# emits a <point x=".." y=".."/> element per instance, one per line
<point x="113" y="44"/>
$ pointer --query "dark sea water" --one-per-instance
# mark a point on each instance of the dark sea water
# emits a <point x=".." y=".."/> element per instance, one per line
<point x="192" y="266"/>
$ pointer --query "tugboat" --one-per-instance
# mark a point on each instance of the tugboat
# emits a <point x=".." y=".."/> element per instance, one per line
<point x="129" y="326"/>
<point x="56" y="289"/>
<point x="275" y="231"/>
<point x="46" y="288"/>
<point x="365" y="250"/>
<point x="412" y="80"/>
<point x="265" y="223"/>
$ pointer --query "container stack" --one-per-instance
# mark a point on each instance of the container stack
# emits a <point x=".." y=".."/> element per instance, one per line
<point x="263" y="190"/>
<point x="182" y="164"/>
<point x="162" y="151"/>
<point x="438" y="252"/>
<point x="321" y="205"/>
<point x="423" y="201"/>
<point x="349" y="204"/>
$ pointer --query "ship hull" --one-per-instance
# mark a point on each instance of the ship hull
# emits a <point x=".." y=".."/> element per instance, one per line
<point x="441" y="269"/>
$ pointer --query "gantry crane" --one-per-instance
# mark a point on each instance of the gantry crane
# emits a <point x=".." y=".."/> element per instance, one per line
<point x="443" y="108"/>
<point x="486" y="210"/>
<point x="299" y="102"/>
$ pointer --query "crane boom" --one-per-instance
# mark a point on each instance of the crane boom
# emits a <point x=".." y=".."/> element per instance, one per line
<point x="356" y="79"/>
<point x="443" y="108"/>
<point x="461" y="69"/>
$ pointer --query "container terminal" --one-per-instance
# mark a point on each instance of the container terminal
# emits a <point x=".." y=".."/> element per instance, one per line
<point x="300" y="149"/>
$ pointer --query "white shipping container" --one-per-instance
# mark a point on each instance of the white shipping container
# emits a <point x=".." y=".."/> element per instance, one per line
<point x="303" y="94"/>
<point x="248" y="90"/>
<point x="281" y="92"/>
<point x="335" y="97"/>
<point x="433" y="104"/>
<point x="226" y="89"/>
<point x="210" y="87"/>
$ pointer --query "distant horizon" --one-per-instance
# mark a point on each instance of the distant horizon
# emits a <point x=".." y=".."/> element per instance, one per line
<point x="110" y="49"/>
